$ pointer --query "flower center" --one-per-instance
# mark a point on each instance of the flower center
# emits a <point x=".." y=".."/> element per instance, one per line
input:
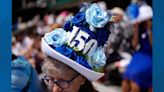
<point x="55" y="37"/>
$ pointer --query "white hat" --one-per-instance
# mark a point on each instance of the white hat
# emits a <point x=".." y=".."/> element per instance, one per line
<point x="145" y="13"/>
<point x="89" y="74"/>
<point x="78" y="45"/>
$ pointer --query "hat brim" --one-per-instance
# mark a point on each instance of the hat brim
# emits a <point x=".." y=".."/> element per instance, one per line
<point x="89" y="74"/>
<point x="140" y="19"/>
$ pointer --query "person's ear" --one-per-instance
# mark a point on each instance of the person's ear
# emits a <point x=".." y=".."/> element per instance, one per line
<point x="83" y="80"/>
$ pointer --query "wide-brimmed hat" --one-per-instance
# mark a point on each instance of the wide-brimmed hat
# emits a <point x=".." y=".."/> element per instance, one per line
<point x="80" y="43"/>
<point x="145" y="13"/>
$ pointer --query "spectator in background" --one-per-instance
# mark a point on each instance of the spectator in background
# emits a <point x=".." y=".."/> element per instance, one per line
<point x="22" y="44"/>
<point x="61" y="18"/>
<point x="28" y="45"/>
<point x="138" y="76"/>
<point x="37" y="54"/>
<point x="23" y="77"/>
<point x="123" y="39"/>
<point x="119" y="47"/>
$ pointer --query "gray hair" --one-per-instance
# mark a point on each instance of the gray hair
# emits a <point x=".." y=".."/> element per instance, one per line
<point x="53" y="66"/>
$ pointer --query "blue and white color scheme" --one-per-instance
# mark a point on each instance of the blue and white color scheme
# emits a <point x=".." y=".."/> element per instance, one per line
<point x="80" y="43"/>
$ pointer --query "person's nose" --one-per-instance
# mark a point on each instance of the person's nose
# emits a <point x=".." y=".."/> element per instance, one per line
<point x="56" y="88"/>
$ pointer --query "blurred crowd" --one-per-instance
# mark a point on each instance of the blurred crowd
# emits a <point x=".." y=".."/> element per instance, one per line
<point x="128" y="49"/>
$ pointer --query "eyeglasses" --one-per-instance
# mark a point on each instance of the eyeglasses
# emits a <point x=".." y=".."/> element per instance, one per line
<point x="61" y="83"/>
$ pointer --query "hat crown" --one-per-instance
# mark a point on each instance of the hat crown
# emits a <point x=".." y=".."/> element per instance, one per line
<point x="145" y="13"/>
<point x="83" y="37"/>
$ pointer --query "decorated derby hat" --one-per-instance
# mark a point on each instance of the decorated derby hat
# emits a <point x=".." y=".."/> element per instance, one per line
<point x="80" y="43"/>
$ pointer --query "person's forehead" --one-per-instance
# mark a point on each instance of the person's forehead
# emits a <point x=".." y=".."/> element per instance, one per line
<point x="61" y="73"/>
<point x="56" y="68"/>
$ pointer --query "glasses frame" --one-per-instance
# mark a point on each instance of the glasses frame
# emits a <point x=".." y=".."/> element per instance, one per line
<point x="57" y="81"/>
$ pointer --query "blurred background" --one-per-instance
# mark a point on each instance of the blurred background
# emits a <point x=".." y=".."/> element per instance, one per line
<point x="31" y="19"/>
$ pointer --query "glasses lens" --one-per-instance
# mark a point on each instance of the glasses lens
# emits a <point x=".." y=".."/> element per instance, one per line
<point x="63" y="84"/>
<point x="48" y="81"/>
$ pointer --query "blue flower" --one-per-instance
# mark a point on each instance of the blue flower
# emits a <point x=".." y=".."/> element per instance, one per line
<point x="69" y="52"/>
<point x="102" y="35"/>
<point x="96" y="16"/>
<point x="98" y="58"/>
<point x="66" y="51"/>
<point x="81" y="60"/>
<point x="79" y="19"/>
<point x="68" y="24"/>
<point x="57" y="37"/>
